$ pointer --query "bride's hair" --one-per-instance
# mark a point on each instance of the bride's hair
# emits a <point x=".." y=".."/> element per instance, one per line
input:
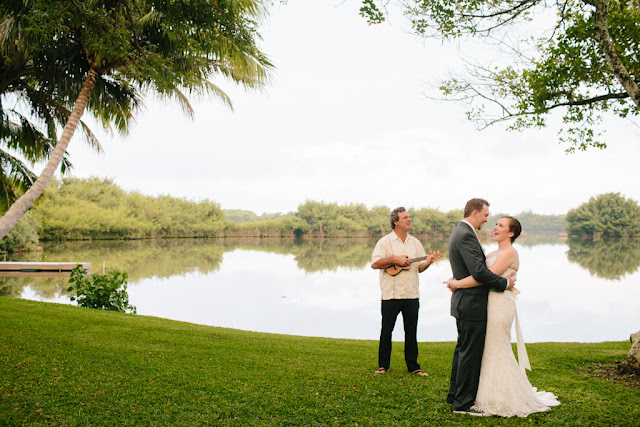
<point x="514" y="227"/>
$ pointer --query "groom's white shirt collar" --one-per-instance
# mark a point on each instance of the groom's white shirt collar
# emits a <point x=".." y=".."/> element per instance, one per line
<point x="469" y="224"/>
<point x="472" y="228"/>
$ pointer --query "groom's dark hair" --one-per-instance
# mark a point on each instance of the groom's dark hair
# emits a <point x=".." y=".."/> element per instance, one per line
<point x="395" y="216"/>
<point x="474" y="205"/>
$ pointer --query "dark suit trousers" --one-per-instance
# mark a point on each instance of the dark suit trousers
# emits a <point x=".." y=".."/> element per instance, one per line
<point x="390" y="310"/>
<point x="467" y="358"/>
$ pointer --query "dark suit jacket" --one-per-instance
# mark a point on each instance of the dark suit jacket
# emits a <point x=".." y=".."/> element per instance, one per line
<point x="468" y="259"/>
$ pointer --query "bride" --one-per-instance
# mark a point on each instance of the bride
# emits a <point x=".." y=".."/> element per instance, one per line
<point x="504" y="388"/>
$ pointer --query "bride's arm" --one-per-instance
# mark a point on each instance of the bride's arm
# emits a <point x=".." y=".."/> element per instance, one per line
<point x="508" y="258"/>
<point x="505" y="260"/>
<point x="467" y="282"/>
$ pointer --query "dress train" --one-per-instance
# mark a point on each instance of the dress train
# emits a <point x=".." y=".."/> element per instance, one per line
<point x="504" y="389"/>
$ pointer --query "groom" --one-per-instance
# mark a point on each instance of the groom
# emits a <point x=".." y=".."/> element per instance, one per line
<point x="469" y="306"/>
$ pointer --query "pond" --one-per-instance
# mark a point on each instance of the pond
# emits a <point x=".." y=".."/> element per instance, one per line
<point x="571" y="291"/>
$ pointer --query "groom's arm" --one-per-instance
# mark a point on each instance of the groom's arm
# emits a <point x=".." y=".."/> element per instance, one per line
<point x="471" y="252"/>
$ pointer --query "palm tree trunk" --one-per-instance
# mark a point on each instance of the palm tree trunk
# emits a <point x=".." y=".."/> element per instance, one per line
<point x="24" y="203"/>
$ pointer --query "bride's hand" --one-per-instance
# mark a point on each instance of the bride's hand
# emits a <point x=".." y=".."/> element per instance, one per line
<point x="451" y="284"/>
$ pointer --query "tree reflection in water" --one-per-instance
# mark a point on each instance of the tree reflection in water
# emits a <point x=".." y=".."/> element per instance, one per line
<point x="608" y="258"/>
<point x="161" y="258"/>
<point x="164" y="258"/>
<point x="315" y="255"/>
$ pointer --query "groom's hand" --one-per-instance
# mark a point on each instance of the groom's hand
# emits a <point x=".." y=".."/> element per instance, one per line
<point x="512" y="281"/>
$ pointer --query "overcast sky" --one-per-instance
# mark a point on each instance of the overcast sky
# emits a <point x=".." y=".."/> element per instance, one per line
<point x="345" y="120"/>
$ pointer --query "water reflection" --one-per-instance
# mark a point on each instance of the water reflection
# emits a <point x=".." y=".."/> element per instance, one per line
<point x="326" y="288"/>
<point x="610" y="258"/>
<point x="164" y="258"/>
<point x="139" y="258"/>
<point x="311" y="255"/>
<point x="171" y="257"/>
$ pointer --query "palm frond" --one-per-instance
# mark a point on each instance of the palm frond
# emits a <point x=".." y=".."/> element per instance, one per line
<point x="15" y="178"/>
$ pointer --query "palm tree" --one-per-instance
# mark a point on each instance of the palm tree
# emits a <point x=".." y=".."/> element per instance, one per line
<point x="134" y="46"/>
<point x="32" y="103"/>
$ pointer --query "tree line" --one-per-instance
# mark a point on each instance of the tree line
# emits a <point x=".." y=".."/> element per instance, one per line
<point x="96" y="208"/>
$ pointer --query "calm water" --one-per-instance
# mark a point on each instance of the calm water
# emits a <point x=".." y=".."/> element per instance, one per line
<point x="571" y="291"/>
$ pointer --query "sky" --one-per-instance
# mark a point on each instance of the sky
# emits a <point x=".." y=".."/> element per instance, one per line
<point x="345" y="120"/>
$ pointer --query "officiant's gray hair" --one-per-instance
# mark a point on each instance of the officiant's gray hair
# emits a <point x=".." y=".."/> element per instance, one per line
<point x="395" y="216"/>
<point x="474" y="205"/>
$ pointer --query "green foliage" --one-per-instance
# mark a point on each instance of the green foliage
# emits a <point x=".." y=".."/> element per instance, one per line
<point x="240" y="215"/>
<point x="564" y="70"/>
<point x="333" y="220"/>
<point x="23" y="237"/>
<point x="98" y="209"/>
<point x="608" y="214"/>
<point x="432" y="222"/>
<point x="101" y="291"/>
<point x="62" y="365"/>
<point x="279" y="227"/>
<point x="532" y="223"/>
<point x="135" y="46"/>
<point x="372" y="12"/>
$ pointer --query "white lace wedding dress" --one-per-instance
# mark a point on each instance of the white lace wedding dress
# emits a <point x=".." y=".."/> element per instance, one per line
<point x="504" y="389"/>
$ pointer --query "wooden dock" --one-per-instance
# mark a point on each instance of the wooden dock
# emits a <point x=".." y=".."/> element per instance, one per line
<point x="39" y="269"/>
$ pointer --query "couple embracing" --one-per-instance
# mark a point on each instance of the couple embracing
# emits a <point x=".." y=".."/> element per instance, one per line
<point x="485" y="376"/>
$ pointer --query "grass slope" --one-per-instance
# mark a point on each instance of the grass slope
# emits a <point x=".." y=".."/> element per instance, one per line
<point x="64" y="365"/>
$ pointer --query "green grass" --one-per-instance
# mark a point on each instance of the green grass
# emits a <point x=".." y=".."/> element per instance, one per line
<point x="65" y="365"/>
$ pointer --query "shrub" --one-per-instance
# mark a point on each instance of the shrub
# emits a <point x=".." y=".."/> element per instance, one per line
<point x="103" y="291"/>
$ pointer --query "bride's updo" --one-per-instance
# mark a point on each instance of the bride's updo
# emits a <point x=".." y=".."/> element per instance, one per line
<point x="514" y="227"/>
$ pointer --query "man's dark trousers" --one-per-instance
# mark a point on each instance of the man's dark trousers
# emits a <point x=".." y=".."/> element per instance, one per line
<point x="390" y="310"/>
<point x="467" y="360"/>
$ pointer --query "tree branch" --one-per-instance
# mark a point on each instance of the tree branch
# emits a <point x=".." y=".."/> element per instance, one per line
<point x="609" y="49"/>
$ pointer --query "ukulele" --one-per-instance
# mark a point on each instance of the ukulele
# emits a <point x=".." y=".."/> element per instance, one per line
<point x="394" y="269"/>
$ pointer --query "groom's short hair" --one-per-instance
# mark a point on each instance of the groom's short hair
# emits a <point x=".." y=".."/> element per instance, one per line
<point x="474" y="205"/>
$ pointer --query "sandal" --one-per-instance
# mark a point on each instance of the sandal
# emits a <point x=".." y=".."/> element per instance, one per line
<point x="419" y="372"/>
<point x="381" y="370"/>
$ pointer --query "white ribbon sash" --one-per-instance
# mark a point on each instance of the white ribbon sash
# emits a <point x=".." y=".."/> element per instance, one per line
<point x="523" y="358"/>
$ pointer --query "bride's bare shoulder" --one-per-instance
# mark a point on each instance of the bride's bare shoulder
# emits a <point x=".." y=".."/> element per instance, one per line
<point x="493" y="253"/>
<point x="514" y="258"/>
<point x="509" y="254"/>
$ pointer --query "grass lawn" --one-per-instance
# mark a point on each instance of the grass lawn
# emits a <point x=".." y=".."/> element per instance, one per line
<point x="65" y="365"/>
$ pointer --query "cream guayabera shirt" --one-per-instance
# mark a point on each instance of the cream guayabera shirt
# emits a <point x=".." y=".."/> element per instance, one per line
<point x="403" y="285"/>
